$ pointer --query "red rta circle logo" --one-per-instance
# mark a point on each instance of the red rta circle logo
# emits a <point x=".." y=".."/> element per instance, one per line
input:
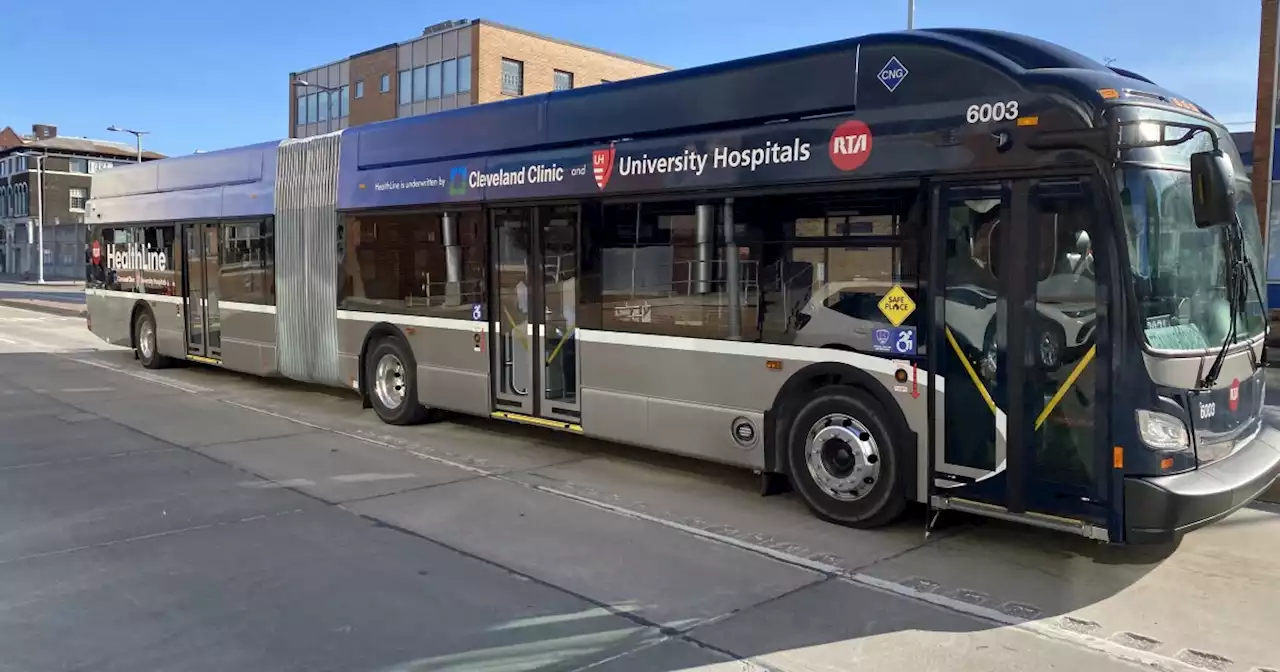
<point x="850" y="145"/>
<point x="96" y="251"/>
<point x="1233" y="395"/>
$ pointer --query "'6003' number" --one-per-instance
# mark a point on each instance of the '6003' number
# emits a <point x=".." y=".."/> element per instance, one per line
<point x="1003" y="111"/>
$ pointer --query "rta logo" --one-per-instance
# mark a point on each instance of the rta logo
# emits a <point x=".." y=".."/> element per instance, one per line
<point x="1233" y="395"/>
<point x="850" y="145"/>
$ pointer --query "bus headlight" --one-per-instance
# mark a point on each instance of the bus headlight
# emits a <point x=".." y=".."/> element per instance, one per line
<point x="1163" y="431"/>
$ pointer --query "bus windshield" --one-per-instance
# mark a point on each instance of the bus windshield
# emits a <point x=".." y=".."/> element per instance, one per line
<point x="1180" y="270"/>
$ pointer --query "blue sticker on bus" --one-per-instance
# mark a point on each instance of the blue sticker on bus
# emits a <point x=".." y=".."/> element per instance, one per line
<point x="882" y="341"/>
<point x="903" y="340"/>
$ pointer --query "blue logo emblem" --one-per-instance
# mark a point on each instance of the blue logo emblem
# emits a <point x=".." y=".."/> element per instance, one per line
<point x="458" y="181"/>
<point x="881" y="341"/>
<point x="892" y="74"/>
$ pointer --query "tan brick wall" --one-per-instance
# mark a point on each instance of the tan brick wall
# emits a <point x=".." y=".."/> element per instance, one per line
<point x="375" y="105"/>
<point x="541" y="57"/>
<point x="1266" y="106"/>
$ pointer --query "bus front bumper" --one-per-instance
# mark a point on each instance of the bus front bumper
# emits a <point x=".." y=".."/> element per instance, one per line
<point x="1159" y="508"/>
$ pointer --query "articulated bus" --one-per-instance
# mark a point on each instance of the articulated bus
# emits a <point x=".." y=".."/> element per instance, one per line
<point x="963" y="268"/>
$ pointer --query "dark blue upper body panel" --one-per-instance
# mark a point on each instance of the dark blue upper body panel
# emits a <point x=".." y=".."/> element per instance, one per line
<point x="238" y="182"/>
<point x="840" y="76"/>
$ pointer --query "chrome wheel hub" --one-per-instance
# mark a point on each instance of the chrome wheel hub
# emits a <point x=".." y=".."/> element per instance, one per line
<point x="147" y="339"/>
<point x="389" y="382"/>
<point x="842" y="456"/>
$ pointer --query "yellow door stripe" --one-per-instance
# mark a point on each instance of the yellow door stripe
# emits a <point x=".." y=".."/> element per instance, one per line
<point x="559" y="345"/>
<point x="1066" y="385"/>
<point x="977" y="382"/>
<point x="541" y="422"/>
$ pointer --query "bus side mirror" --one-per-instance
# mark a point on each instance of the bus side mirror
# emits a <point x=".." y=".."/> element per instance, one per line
<point x="1213" y="192"/>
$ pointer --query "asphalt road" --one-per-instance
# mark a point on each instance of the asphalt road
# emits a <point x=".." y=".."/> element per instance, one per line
<point x="194" y="519"/>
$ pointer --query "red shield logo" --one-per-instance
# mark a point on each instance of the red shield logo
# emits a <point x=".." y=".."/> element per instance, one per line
<point x="1233" y="395"/>
<point x="602" y="166"/>
<point x="96" y="251"/>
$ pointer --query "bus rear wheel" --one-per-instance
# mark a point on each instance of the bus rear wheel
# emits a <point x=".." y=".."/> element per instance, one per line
<point x="844" y="459"/>
<point x="393" y="383"/>
<point x="146" y="344"/>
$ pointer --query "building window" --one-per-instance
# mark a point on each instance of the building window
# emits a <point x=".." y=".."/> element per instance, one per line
<point x="78" y="165"/>
<point x="345" y="97"/>
<point x="464" y="74"/>
<point x="385" y="85"/>
<point x="246" y="270"/>
<point x="450" y="79"/>
<point x="419" y="84"/>
<point x="322" y="106"/>
<point x="433" y="81"/>
<point x="313" y="114"/>
<point x="563" y="81"/>
<point x="406" y="87"/>
<point x="302" y="109"/>
<point x="397" y="263"/>
<point x="359" y="88"/>
<point x="335" y="104"/>
<point x="78" y="197"/>
<point x="20" y="203"/>
<point x="512" y="77"/>
<point x="20" y="164"/>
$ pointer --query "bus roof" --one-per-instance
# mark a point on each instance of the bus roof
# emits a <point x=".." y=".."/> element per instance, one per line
<point x="930" y="74"/>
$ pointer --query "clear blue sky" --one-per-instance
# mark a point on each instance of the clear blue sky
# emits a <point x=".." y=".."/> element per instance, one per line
<point x="207" y="75"/>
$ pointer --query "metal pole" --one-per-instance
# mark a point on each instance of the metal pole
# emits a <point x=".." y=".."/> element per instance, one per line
<point x="40" y="220"/>
<point x="911" y="14"/>
<point x="138" y="137"/>
<point x="733" y="285"/>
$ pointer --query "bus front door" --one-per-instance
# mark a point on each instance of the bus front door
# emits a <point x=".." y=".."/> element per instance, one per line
<point x="533" y="282"/>
<point x="200" y="291"/>
<point x="1017" y="347"/>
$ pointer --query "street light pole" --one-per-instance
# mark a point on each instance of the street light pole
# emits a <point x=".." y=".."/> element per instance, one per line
<point x="911" y="14"/>
<point x="40" y="218"/>
<point x="136" y="134"/>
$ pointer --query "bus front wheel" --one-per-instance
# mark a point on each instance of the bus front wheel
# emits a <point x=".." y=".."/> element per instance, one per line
<point x="146" y="344"/>
<point x="844" y="460"/>
<point x="393" y="383"/>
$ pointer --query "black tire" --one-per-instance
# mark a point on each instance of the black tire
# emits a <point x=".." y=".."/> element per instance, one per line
<point x="883" y="500"/>
<point x="408" y="411"/>
<point x="144" y="328"/>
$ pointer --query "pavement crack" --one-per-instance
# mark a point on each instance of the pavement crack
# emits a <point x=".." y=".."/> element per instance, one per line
<point x="146" y="537"/>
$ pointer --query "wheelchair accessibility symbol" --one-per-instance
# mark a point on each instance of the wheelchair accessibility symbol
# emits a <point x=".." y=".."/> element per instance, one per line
<point x="898" y="341"/>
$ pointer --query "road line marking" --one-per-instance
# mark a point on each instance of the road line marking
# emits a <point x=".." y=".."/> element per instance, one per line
<point x="370" y="478"/>
<point x="151" y="378"/>
<point x="271" y="484"/>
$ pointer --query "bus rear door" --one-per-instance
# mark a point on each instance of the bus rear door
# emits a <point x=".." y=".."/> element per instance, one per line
<point x="533" y="283"/>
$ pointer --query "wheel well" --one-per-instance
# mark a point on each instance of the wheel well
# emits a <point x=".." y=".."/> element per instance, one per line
<point x="138" y="308"/>
<point x="376" y="333"/>
<point x="823" y="374"/>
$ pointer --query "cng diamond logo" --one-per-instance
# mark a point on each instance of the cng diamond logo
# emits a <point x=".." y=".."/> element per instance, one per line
<point x="850" y="145"/>
<point x="602" y="166"/>
<point x="892" y="74"/>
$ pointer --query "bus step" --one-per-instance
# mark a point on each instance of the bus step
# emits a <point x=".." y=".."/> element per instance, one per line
<point x="1041" y="520"/>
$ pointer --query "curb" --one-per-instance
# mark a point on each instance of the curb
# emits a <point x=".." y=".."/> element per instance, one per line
<point x="41" y="308"/>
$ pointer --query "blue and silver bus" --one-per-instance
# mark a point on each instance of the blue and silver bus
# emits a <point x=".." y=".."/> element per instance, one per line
<point x="967" y="269"/>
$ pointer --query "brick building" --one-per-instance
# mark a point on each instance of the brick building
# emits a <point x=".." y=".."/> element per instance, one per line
<point x="46" y="172"/>
<point x="452" y="64"/>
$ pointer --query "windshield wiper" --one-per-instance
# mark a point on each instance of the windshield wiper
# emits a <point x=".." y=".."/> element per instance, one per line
<point x="1237" y="266"/>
